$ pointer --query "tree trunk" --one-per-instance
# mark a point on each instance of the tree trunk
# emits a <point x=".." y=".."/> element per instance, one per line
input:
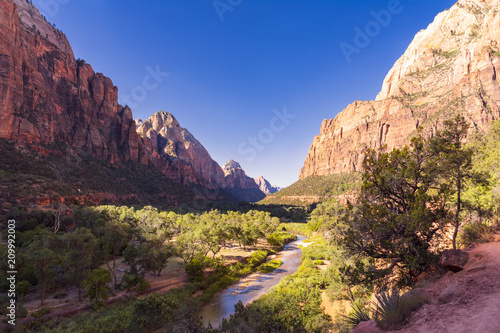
<point x="457" y="213"/>
<point x="44" y="277"/>
<point x="114" y="271"/>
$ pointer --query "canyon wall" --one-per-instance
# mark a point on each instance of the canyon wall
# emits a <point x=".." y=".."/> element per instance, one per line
<point x="451" y="67"/>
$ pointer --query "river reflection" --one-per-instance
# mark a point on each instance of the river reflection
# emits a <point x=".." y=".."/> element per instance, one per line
<point x="253" y="287"/>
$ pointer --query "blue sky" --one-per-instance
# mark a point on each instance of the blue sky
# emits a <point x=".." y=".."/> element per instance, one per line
<point x="252" y="80"/>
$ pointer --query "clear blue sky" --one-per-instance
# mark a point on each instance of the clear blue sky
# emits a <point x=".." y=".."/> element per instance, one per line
<point x="227" y="76"/>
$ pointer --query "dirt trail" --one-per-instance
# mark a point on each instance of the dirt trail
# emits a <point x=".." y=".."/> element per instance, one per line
<point x="476" y="303"/>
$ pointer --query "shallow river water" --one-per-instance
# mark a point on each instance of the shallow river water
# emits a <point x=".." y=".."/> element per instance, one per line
<point x="222" y="306"/>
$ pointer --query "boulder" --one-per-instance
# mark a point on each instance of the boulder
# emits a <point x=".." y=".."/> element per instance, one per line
<point x="454" y="260"/>
<point x="448" y="294"/>
<point x="367" y="327"/>
<point x="416" y="293"/>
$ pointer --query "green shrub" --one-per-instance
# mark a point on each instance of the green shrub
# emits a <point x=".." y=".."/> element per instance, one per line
<point x="42" y="312"/>
<point x="410" y="304"/>
<point x="475" y="233"/>
<point x="60" y="294"/>
<point x="258" y="258"/>
<point x="270" y="266"/>
<point x="143" y="286"/>
<point x="391" y="311"/>
<point x="387" y="311"/>
<point x="280" y="238"/>
<point x="194" y="269"/>
<point x="357" y="315"/>
<point x="318" y="262"/>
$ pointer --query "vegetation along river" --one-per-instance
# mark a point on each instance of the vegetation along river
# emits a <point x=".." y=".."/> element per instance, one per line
<point x="253" y="287"/>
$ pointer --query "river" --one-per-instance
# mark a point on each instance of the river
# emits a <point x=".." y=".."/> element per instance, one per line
<point x="253" y="286"/>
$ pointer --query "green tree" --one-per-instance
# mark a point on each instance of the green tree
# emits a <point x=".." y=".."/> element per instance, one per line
<point x="77" y="257"/>
<point x="97" y="290"/>
<point x="399" y="212"/>
<point x="114" y="237"/>
<point x="43" y="257"/>
<point x="455" y="163"/>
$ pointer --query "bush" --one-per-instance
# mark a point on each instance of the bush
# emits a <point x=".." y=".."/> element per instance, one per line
<point x="268" y="267"/>
<point x="318" y="262"/>
<point x="475" y="233"/>
<point x="387" y="310"/>
<point x="60" y="294"/>
<point x="392" y="311"/>
<point x="410" y="304"/>
<point x="280" y="238"/>
<point x="258" y="258"/>
<point x="42" y="312"/>
<point x="357" y="315"/>
<point x="194" y="269"/>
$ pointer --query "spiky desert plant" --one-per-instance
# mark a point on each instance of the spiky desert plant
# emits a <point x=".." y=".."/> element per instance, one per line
<point x="386" y="308"/>
<point x="357" y="315"/>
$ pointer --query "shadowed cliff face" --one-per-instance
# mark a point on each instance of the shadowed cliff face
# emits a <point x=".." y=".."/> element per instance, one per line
<point x="236" y="176"/>
<point x="46" y="97"/>
<point x="450" y="67"/>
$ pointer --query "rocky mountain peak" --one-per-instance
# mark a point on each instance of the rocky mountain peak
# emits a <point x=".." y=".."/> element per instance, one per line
<point x="265" y="186"/>
<point x="467" y="30"/>
<point x="451" y="67"/>
<point x="230" y="165"/>
<point x="168" y="139"/>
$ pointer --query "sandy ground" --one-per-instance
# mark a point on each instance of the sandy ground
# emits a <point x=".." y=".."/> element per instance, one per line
<point x="475" y="306"/>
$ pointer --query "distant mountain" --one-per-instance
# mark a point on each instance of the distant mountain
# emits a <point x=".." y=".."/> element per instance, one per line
<point x="451" y="67"/>
<point x="138" y="123"/>
<point x="265" y="186"/>
<point x="239" y="185"/>
<point x="167" y="139"/>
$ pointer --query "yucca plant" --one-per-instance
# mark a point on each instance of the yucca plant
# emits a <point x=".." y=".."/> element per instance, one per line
<point x="386" y="309"/>
<point x="357" y="315"/>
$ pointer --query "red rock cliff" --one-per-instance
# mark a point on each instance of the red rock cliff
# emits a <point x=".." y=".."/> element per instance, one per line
<point x="450" y="67"/>
<point x="46" y="97"/>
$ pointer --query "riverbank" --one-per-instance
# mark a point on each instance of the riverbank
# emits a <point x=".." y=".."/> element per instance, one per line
<point x="252" y="286"/>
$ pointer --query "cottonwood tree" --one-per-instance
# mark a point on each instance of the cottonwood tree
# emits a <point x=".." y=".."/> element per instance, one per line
<point x="114" y="237"/>
<point x="43" y="257"/>
<point x="77" y="257"/>
<point x="455" y="163"/>
<point x="96" y="287"/>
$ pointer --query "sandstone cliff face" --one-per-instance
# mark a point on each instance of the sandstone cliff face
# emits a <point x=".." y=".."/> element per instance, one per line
<point x="47" y="97"/>
<point x="451" y="67"/>
<point x="265" y="186"/>
<point x="166" y="139"/>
